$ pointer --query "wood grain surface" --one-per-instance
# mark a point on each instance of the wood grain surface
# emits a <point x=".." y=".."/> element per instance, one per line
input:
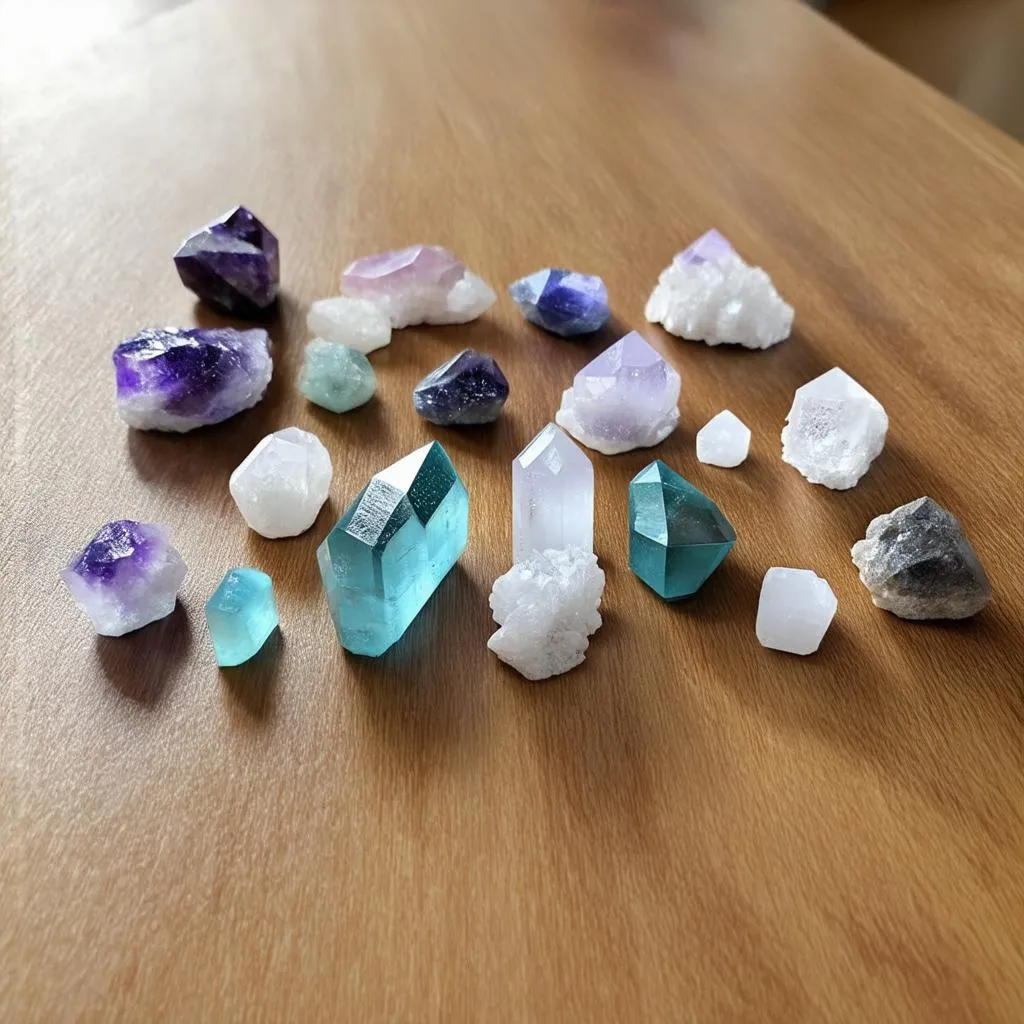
<point x="686" y="828"/>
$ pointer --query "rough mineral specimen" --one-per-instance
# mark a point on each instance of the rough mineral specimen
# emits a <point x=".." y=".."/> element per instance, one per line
<point x="418" y="284"/>
<point x="356" y="323"/>
<point x="241" y="615"/>
<point x="795" y="610"/>
<point x="232" y="264"/>
<point x="677" y="535"/>
<point x="282" y="483"/>
<point x="834" y="430"/>
<point x="125" y="577"/>
<point x="552" y="496"/>
<point x="624" y="399"/>
<point x="917" y="564"/>
<point x="468" y="389"/>
<point x="723" y="441"/>
<point x="547" y="607"/>
<point x="182" y="378"/>
<point x="392" y="547"/>
<point x="562" y="301"/>
<point x="707" y="293"/>
<point x="336" y="377"/>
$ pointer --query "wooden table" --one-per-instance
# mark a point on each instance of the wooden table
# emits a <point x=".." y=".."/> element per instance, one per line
<point x="688" y="827"/>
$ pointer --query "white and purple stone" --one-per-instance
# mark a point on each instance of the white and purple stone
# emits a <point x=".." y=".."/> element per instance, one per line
<point x="711" y="247"/>
<point x="232" y="264"/>
<point x="561" y="301"/>
<point x="467" y="390"/>
<point x="181" y="378"/>
<point x="127" y="576"/>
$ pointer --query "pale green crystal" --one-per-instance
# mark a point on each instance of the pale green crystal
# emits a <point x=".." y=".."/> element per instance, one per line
<point x="336" y="377"/>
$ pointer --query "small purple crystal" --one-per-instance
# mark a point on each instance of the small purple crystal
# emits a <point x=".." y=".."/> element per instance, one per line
<point x="127" y="576"/>
<point x="468" y="389"/>
<point x="564" y="302"/>
<point x="711" y="247"/>
<point x="232" y="264"/>
<point x="182" y="378"/>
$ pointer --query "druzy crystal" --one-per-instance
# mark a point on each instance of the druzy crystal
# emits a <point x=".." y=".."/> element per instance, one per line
<point x="834" y="430"/>
<point x="182" y="378"/>
<point x="356" y="323"/>
<point x="723" y="441"/>
<point x="625" y="398"/>
<point x="468" y="389"/>
<point x="547" y="608"/>
<point x="232" y="264"/>
<point x="794" y="611"/>
<point x="552" y="496"/>
<point x="677" y="535"/>
<point x="282" y="483"/>
<point x="418" y="284"/>
<point x="707" y="293"/>
<point x="241" y="615"/>
<point x="393" y="546"/>
<point x="336" y="377"/>
<point x="125" y="577"/>
<point x="562" y="301"/>
<point x="917" y="564"/>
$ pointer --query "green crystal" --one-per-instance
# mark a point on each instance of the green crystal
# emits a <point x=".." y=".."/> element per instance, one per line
<point x="336" y="377"/>
<point x="677" y="535"/>
<point x="241" y="615"/>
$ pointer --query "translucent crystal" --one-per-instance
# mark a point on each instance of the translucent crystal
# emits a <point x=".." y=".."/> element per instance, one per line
<point x="625" y="398"/>
<point x="335" y="376"/>
<point x="468" y="389"/>
<point x="393" y="546"/>
<point x="562" y="301"/>
<point x="241" y="615"/>
<point x="795" y="610"/>
<point x="834" y="430"/>
<point x="723" y="441"/>
<point x="355" y="323"/>
<point x="547" y="607"/>
<point x="282" y="483"/>
<point x="552" y="496"/>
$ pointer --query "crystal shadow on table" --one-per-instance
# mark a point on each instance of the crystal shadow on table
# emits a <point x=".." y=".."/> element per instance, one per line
<point x="362" y="427"/>
<point x="252" y="686"/>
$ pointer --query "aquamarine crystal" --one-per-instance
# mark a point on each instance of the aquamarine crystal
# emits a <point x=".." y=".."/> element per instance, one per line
<point x="392" y="547"/>
<point x="336" y="377"/>
<point x="241" y="615"/>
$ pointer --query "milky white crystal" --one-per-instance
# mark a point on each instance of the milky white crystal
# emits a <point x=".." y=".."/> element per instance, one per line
<point x="795" y="610"/>
<point x="723" y="441"/>
<point x="282" y="484"/>
<point x="547" y="608"/>
<point x="355" y="323"/>
<point x="834" y="430"/>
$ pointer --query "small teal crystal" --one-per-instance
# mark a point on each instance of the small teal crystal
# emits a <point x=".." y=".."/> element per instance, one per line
<point x="241" y="615"/>
<point x="392" y="547"/>
<point x="336" y="377"/>
<point x="677" y="535"/>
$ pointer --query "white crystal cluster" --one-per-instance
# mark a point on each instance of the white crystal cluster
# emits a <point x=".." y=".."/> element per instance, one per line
<point x="547" y="608"/>
<point x="355" y="323"/>
<point x="723" y="441"/>
<point x="795" y="610"/>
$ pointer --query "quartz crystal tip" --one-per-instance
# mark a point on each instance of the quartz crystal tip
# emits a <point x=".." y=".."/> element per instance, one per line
<point x="794" y="611"/>
<point x="561" y="301"/>
<point x="241" y="615"/>
<point x="467" y="390"/>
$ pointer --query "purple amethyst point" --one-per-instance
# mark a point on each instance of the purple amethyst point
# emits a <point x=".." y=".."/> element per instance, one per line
<point x="467" y="390"/>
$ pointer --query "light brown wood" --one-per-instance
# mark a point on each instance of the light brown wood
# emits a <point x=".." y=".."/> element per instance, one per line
<point x="686" y="828"/>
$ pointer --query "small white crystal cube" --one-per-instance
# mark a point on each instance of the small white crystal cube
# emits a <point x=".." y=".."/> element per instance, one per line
<point x="795" y="610"/>
<point x="723" y="441"/>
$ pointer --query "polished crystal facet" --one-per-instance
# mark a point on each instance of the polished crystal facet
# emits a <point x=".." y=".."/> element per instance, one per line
<point x="355" y="323"/>
<point x="562" y="301"/>
<point x="795" y="610"/>
<point x="467" y="390"/>
<point x="723" y="441"/>
<point x="677" y="535"/>
<point x="336" y="377"/>
<point x="393" y="546"/>
<point x="241" y="615"/>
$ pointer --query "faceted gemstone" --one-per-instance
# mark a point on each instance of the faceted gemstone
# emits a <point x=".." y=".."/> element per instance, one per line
<point x="232" y="264"/>
<point x="834" y="430"/>
<point x="552" y="496"/>
<point x="625" y="398"/>
<point x="795" y="610"/>
<point x="282" y="483"/>
<point x="711" y="247"/>
<point x="677" y="535"/>
<point x="562" y="301"/>
<point x="356" y="323"/>
<point x="468" y="389"/>
<point x="336" y="377"/>
<point x="127" y="576"/>
<point x="393" y="546"/>
<point x="182" y="378"/>
<point x="723" y="441"/>
<point x="917" y="564"/>
<point x="547" y="607"/>
<point x="241" y="615"/>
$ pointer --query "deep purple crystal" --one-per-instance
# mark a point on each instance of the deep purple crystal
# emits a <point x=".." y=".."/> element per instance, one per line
<point x="468" y="389"/>
<point x="122" y="547"/>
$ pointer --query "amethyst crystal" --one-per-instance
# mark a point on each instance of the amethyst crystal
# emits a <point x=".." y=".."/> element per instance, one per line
<point x="711" y="247"/>
<point x="182" y="378"/>
<point x="470" y="388"/>
<point x="562" y="301"/>
<point x="232" y="264"/>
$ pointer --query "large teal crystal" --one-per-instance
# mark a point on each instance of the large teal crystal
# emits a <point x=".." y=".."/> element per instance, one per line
<point x="392" y="547"/>
<point x="677" y="535"/>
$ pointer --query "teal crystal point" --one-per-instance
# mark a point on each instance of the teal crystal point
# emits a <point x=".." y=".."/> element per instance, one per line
<point x="241" y="615"/>
<point x="392" y="547"/>
<point x="677" y="535"/>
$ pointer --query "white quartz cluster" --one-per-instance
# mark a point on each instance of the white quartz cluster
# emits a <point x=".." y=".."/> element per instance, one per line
<point x="355" y="323"/>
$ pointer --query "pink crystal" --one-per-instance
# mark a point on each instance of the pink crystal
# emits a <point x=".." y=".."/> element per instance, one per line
<point x="427" y="266"/>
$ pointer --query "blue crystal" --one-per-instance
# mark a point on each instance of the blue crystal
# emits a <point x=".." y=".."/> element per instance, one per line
<point x="392" y="547"/>
<point x="241" y="615"/>
<point x="677" y="535"/>
<point x="468" y="389"/>
<point x="562" y="301"/>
